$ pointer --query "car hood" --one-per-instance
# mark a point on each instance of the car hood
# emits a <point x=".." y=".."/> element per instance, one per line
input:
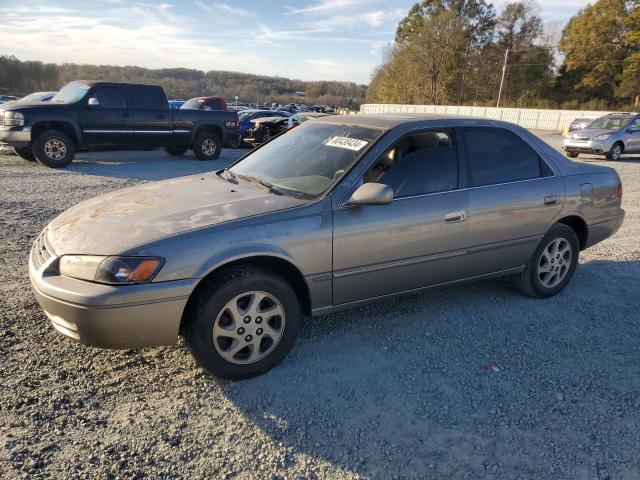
<point x="18" y="105"/>
<point x="122" y="220"/>
<point x="591" y="132"/>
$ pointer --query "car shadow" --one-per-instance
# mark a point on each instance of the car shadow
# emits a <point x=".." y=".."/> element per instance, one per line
<point x="146" y="165"/>
<point x="452" y="382"/>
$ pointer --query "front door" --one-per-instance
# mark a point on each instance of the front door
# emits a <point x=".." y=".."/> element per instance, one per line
<point x="633" y="136"/>
<point x="108" y="121"/>
<point x="416" y="241"/>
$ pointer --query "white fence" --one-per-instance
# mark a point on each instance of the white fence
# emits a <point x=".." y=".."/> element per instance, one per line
<point x="537" y="119"/>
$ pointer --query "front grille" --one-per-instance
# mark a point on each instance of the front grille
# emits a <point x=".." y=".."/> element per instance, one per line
<point x="577" y="138"/>
<point x="41" y="250"/>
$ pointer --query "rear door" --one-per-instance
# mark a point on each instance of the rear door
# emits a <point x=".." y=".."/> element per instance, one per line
<point x="633" y="136"/>
<point x="151" y="115"/>
<point x="110" y="122"/>
<point x="513" y="197"/>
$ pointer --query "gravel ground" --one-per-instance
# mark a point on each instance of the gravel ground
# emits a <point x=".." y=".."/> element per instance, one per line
<point x="474" y="381"/>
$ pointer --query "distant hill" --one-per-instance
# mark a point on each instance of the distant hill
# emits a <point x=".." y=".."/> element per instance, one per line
<point x="19" y="78"/>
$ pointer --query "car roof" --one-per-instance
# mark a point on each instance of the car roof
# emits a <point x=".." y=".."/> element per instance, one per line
<point x="387" y="121"/>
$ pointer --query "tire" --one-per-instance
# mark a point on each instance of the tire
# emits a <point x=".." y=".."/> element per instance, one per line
<point x="572" y="154"/>
<point x="207" y="146"/>
<point x="25" y="153"/>
<point x="54" y="149"/>
<point x="176" y="151"/>
<point x="616" y="152"/>
<point x="534" y="281"/>
<point x="224" y="344"/>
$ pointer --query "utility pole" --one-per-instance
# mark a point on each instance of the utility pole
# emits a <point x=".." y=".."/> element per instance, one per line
<point x="504" y="71"/>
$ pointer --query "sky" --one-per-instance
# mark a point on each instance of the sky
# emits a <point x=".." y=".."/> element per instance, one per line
<point x="303" y="39"/>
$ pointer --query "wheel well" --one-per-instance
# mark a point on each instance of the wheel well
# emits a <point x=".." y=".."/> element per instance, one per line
<point x="276" y="265"/>
<point x="64" y="127"/>
<point x="210" y="128"/>
<point x="579" y="226"/>
<point x="621" y="144"/>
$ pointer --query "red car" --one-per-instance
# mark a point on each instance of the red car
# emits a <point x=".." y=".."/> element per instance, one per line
<point x="205" y="103"/>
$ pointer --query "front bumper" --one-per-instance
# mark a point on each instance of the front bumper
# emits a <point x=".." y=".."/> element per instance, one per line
<point x="592" y="146"/>
<point x="107" y="316"/>
<point x="15" y="136"/>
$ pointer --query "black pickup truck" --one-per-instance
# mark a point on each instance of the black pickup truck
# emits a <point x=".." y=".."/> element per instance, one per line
<point x="94" y="115"/>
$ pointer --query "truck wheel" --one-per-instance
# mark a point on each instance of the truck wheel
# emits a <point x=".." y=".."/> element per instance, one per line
<point x="552" y="264"/>
<point x="175" y="151"/>
<point x="207" y="146"/>
<point x="25" y="154"/>
<point x="616" y="152"/>
<point x="54" y="149"/>
<point x="242" y="322"/>
<point x="572" y="154"/>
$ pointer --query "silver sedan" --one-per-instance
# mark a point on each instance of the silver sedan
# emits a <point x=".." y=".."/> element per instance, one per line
<point x="338" y="212"/>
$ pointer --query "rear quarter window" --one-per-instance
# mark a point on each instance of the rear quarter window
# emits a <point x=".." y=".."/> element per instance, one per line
<point x="498" y="156"/>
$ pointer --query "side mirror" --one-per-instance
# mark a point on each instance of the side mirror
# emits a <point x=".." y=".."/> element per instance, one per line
<point x="372" y="194"/>
<point x="93" y="102"/>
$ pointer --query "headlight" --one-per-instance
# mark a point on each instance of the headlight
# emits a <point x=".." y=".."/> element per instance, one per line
<point x="12" y="118"/>
<point x="602" y="137"/>
<point x="110" y="270"/>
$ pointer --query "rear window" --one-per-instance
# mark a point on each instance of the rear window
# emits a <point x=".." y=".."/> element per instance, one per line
<point x="499" y="156"/>
<point x="148" y="98"/>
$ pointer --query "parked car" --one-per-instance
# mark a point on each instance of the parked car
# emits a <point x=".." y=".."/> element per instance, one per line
<point x="176" y="104"/>
<point x="246" y="116"/>
<point x="37" y="97"/>
<point x="91" y="115"/>
<point x="205" y="103"/>
<point x="265" y="128"/>
<point x="339" y="212"/>
<point x="7" y="98"/>
<point x="611" y="136"/>
<point x="578" y="123"/>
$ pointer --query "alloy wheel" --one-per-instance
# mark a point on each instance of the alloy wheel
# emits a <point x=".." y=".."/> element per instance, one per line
<point x="249" y="327"/>
<point x="555" y="262"/>
<point x="55" y="149"/>
<point x="209" y="147"/>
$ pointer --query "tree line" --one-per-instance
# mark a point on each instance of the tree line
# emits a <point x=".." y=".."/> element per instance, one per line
<point x="461" y="51"/>
<point x="23" y="77"/>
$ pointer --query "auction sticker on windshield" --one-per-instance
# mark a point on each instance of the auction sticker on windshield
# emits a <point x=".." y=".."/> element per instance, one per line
<point x="348" y="143"/>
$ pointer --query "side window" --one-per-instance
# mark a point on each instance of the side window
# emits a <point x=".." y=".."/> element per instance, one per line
<point x="635" y="125"/>
<point x="110" y="97"/>
<point x="421" y="163"/>
<point x="498" y="156"/>
<point x="147" y="98"/>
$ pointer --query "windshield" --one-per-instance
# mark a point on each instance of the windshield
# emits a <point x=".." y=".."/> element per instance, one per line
<point x="309" y="159"/>
<point x="71" y="93"/>
<point x="193" y="104"/>
<point x="33" y="97"/>
<point x="242" y="116"/>
<point x="609" y="123"/>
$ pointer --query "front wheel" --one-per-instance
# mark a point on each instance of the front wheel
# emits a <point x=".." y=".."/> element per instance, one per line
<point x="175" y="151"/>
<point x="572" y="154"/>
<point x="242" y="322"/>
<point x="207" y="146"/>
<point x="54" y="149"/>
<point x="552" y="265"/>
<point x="616" y="152"/>
<point x="25" y="154"/>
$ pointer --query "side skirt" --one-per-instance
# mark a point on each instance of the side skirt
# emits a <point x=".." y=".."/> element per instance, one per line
<point x="366" y="301"/>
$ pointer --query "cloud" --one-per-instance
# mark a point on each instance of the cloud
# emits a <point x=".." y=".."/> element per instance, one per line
<point x="327" y="5"/>
<point x="224" y="7"/>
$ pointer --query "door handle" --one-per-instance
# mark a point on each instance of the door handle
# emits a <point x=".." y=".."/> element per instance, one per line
<point x="126" y="115"/>
<point x="160" y="116"/>
<point x="457" y="216"/>
<point x="551" y="200"/>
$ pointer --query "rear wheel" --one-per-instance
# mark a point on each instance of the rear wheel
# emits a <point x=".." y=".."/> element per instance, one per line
<point x="207" y="146"/>
<point x="552" y="265"/>
<point x="242" y="322"/>
<point x="25" y="153"/>
<point x="616" y="152"/>
<point x="176" y="151"/>
<point x="54" y="149"/>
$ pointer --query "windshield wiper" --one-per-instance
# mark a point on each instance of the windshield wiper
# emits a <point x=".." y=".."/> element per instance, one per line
<point x="268" y="186"/>
<point x="229" y="175"/>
